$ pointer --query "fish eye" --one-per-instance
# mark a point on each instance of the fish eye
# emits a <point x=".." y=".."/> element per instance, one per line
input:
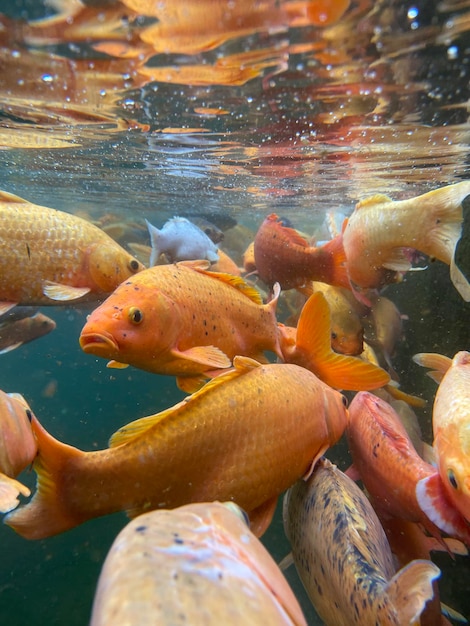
<point x="134" y="265"/>
<point x="452" y="478"/>
<point x="239" y="512"/>
<point x="345" y="401"/>
<point x="135" y="315"/>
<point x="334" y="335"/>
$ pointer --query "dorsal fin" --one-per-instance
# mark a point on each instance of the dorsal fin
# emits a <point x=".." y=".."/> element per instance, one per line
<point x="234" y="281"/>
<point x="11" y="198"/>
<point x="134" y="429"/>
<point x="378" y="198"/>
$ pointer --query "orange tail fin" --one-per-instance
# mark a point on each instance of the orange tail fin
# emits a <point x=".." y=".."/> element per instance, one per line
<point x="313" y="351"/>
<point x="45" y="514"/>
<point x="339" y="273"/>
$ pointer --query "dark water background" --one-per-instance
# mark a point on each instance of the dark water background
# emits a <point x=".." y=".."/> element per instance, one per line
<point x="375" y="103"/>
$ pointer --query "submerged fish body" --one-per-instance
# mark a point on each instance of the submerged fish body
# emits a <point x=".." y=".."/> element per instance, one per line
<point x="393" y="472"/>
<point x="15" y="332"/>
<point x="164" y="562"/>
<point x="51" y="257"/>
<point x="380" y="230"/>
<point x="283" y="256"/>
<point x="183" y="321"/>
<point x="343" y="557"/>
<point x="246" y="436"/>
<point x="451" y="424"/>
<point x="18" y="447"/>
<point x="181" y="240"/>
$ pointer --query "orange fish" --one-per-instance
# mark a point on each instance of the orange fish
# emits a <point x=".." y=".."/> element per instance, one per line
<point x="451" y="424"/>
<point x="17" y="447"/>
<point x="394" y="474"/>
<point x="246" y="436"/>
<point x="52" y="257"/>
<point x="343" y="557"/>
<point x="380" y="230"/>
<point x="283" y="256"/>
<point x="310" y="346"/>
<point x="183" y="321"/>
<point x="164" y="563"/>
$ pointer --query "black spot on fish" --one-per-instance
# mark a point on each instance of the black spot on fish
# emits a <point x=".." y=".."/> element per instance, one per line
<point x="29" y="415"/>
<point x="141" y="529"/>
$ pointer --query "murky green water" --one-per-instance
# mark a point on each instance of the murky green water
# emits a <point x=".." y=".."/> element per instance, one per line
<point x="281" y="115"/>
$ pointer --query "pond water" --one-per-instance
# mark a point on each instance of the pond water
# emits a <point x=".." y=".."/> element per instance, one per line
<point x="126" y="110"/>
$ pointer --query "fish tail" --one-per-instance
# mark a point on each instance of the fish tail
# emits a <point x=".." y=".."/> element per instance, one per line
<point x="155" y="237"/>
<point x="45" y="514"/>
<point x="337" y="370"/>
<point x="338" y="268"/>
<point x="410" y="589"/>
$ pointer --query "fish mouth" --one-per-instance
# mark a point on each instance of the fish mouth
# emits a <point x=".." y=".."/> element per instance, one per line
<point x="98" y="342"/>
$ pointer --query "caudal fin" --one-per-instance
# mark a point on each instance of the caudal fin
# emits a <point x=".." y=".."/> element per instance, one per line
<point x="410" y="589"/>
<point x="45" y="514"/>
<point x="313" y="351"/>
<point x="339" y="274"/>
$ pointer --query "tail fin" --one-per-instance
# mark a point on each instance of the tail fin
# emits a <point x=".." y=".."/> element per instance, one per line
<point x="339" y="274"/>
<point x="313" y="351"/>
<point x="154" y="237"/>
<point x="411" y="588"/>
<point x="46" y="513"/>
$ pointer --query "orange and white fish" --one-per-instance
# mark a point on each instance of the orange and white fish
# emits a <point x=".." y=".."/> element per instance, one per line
<point x="343" y="557"/>
<point x="17" y="447"/>
<point x="379" y="230"/>
<point x="163" y="563"/>
<point x="282" y="255"/>
<point x="183" y="321"/>
<point x="451" y="424"/>
<point x="16" y="332"/>
<point x="309" y="345"/>
<point x="245" y="436"/>
<point x="52" y="257"/>
<point x="393" y="472"/>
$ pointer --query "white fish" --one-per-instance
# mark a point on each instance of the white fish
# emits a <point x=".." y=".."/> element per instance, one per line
<point x="181" y="240"/>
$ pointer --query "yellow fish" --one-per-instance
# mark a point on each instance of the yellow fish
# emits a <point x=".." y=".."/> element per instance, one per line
<point x="52" y="257"/>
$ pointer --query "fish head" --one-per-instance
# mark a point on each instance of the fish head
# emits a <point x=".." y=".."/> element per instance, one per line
<point x="131" y="325"/>
<point x="454" y="465"/>
<point x="109" y="265"/>
<point x="17" y="444"/>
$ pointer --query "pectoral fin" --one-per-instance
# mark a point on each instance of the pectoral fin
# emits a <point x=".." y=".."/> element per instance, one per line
<point x="9" y="491"/>
<point x="209" y="356"/>
<point x="57" y="291"/>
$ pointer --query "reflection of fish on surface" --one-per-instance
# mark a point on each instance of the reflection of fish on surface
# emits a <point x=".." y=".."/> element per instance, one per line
<point x="182" y="320"/>
<point x="17" y="447"/>
<point x="451" y="424"/>
<point x="380" y="230"/>
<point x="309" y="345"/>
<point x="246" y="436"/>
<point x="284" y="256"/>
<point x="164" y="562"/>
<point x="181" y="240"/>
<point x="52" y="257"/>
<point x="393" y="472"/>
<point x="343" y="557"/>
<point x="16" y="332"/>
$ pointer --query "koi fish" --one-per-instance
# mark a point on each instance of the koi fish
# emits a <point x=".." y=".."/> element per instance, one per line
<point x="51" y="257"/>
<point x="393" y="472"/>
<point x="16" y="332"/>
<point x="17" y="447"/>
<point x="379" y="230"/>
<point x="163" y="562"/>
<point x="343" y="557"/>
<point x="245" y="436"/>
<point x="181" y="240"/>
<point x="310" y="346"/>
<point x="451" y="424"/>
<point x="284" y="256"/>
<point x="182" y="320"/>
